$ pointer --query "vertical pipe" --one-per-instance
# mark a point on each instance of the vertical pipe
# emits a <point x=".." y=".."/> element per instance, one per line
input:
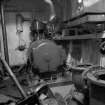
<point x="4" y="32"/>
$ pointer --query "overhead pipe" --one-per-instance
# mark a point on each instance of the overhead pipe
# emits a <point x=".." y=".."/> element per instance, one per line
<point x="52" y="16"/>
<point x="4" y="33"/>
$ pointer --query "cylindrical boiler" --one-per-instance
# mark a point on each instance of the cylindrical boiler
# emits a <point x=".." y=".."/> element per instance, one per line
<point x="46" y="55"/>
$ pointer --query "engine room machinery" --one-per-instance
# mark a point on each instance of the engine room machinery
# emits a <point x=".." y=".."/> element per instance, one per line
<point x="46" y="56"/>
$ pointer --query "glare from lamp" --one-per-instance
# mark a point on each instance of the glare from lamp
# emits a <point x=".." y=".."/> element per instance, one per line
<point x="52" y="17"/>
<point x="52" y="9"/>
<point x="48" y="1"/>
<point x="79" y="1"/>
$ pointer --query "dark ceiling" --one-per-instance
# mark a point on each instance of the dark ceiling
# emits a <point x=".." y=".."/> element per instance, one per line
<point x="40" y="7"/>
<point x="24" y="5"/>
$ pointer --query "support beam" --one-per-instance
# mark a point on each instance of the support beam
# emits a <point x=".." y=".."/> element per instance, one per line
<point x="4" y="33"/>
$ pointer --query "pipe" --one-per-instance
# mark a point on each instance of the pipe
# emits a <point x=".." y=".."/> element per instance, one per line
<point x="13" y="77"/>
<point x="4" y="32"/>
<point x="52" y="16"/>
<point x="19" y="23"/>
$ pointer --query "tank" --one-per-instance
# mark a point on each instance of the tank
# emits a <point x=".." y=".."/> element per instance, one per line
<point x="46" y="55"/>
<point x="96" y="84"/>
<point x="77" y="77"/>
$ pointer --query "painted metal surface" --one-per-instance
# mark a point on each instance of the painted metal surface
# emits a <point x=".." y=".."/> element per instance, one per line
<point x="79" y="8"/>
<point x="46" y="55"/>
<point x="96" y="82"/>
